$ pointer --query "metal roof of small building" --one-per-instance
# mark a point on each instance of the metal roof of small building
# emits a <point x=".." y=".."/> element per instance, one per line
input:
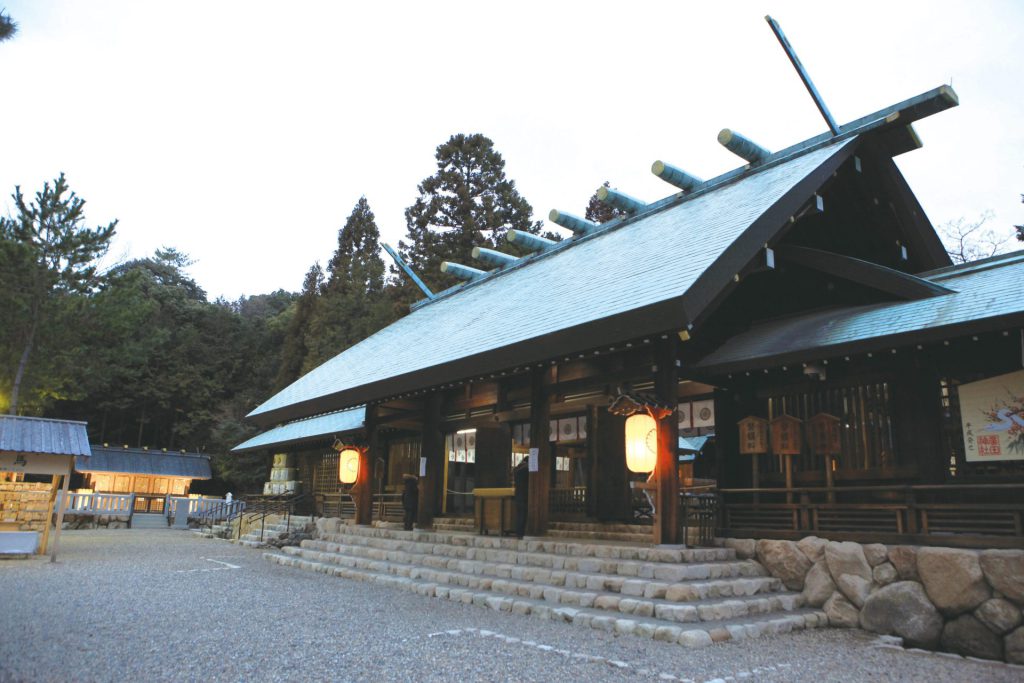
<point x="641" y="273"/>
<point x="319" y="427"/>
<point x="985" y="293"/>
<point x="41" y="435"/>
<point x="142" y="461"/>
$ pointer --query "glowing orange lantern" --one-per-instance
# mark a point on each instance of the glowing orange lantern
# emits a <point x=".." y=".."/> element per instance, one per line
<point x="641" y="443"/>
<point x="348" y="465"/>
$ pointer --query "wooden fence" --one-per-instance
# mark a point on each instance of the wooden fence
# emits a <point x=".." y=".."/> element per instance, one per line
<point x="978" y="515"/>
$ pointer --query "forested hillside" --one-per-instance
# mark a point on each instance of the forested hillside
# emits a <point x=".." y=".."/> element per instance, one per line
<point x="140" y="351"/>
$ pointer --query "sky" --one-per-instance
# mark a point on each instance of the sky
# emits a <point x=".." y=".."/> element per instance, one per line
<point x="243" y="132"/>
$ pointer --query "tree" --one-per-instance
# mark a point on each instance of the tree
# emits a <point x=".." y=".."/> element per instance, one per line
<point x="294" y="349"/>
<point x="46" y="254"/>
<point x="1020" y="228"/>
<point x="967" y="241"/>
<point x="352" y="306"/>
<point x="599" y="211"/>
<point x="468" y="202"/>
<point x="8" y="27"/>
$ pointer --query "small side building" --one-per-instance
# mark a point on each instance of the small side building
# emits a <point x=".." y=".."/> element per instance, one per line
<point x="151" y="475"/>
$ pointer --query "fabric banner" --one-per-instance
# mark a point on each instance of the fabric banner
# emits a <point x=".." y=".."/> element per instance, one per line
<point x="992" y="416"/>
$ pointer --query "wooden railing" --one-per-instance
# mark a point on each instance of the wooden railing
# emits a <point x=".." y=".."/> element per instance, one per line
<point x="971" y="515"/>
<point x="120" y="504"/>
<point x="214" y="509"/>
<point x="569" y="501"/>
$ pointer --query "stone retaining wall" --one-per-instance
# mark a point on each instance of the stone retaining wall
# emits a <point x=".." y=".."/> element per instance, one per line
<point x="963" y="601"/>
<point x="73" y="521"/>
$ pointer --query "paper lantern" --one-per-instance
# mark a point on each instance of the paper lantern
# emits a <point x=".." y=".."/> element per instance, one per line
<point x="348" y="465"/>
<point x="641" y="443"/>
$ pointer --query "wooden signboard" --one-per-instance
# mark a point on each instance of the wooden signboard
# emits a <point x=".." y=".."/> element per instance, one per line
<point x="753" y="435"/>
<point x="823" y="434"/>
<point x="786" y="437"/>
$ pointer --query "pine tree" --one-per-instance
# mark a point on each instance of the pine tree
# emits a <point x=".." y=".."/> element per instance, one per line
<point x="352" y="306"/>
<point x="599" y="212"/>
<point x="8" y="27"/>
<point x="468" y="202"/>
<point x="46" y="255"/>
<point x="294" y="350"/>
<point x="1020" y="228"/>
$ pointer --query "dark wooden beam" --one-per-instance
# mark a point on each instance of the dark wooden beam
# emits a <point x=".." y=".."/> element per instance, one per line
<point x="431" y="448"/>
<point x="362" y="491"/>
<point x="540" y="482"/>
<point x="666" y="388"/>
<point x="869" y="274"/>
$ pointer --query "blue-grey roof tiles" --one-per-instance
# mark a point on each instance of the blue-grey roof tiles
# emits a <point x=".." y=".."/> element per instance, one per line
<point x="142" y="461"/>
<point x="652" y="259"/>
<point x="319" y="427"/>
<point x="988" y="290"/>
<point x="40" y="435"/>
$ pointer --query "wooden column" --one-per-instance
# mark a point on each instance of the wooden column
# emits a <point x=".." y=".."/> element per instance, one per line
<point x="666" y="388"/>
<point x="60" y="510"/>
<point x="362" y="491"/>
<point x="594" y="472"/>
<point x="613" y="495"/>
<point x="540" y="482"/>
<point x="431" y="448"/>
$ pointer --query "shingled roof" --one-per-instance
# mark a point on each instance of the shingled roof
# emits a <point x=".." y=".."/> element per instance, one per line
<point x="307" y="430"/>
<point x="142" y="461"/>
<point x="657" y="271"/>
<point x="41" y="435"/>
<point x="986" y="296"/>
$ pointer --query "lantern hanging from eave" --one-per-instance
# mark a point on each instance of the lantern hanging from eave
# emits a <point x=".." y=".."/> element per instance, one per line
<point x="641" y="443"/>
<point x="348" y="465"/>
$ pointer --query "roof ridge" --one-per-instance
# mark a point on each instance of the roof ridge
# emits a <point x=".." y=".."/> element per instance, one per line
<point x="958" y="269"/>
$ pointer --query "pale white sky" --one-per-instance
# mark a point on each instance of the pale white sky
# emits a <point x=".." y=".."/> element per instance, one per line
<point x="243" y="132"/>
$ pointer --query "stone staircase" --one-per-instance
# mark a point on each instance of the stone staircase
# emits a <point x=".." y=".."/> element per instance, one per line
<point x="597" y="531"/>
<point x="467" y="524"/>
<point x="693" y="596"/>
<point x="274" y="526"/>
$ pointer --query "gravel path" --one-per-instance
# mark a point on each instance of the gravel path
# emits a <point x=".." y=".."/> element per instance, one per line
<point x="158" y="605"/>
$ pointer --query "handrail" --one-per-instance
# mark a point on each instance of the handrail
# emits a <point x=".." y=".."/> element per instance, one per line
<point x="264" y="509"/>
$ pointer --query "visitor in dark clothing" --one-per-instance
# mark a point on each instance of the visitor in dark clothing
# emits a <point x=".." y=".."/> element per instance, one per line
<point x="521" y="481"/>
<point x="410" y="500"/>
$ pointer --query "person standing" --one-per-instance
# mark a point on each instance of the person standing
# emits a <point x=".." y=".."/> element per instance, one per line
<point x="521" y="481"/>
<point x="410" y="500"/>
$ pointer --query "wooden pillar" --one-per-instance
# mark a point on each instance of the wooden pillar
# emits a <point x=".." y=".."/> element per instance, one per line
<point x="594" y="472"/>
<point x="431" y="448"/>
<point x="613" y="494"/>
<point x="666" y="388"/>
<point x="60" y="510"/>
<point x="362" y="491"/>
<point x="540" y="482"/>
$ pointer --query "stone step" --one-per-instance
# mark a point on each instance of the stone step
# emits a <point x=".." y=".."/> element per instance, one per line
<point x="641" y="529"/>
<point x="671" y="630"/>
<point x="682" y="590"/>
<point x="696" y="564"/>
<point x="541" y="564"/>
<point x="566" y="547"/>
<point x="644" y="538"/>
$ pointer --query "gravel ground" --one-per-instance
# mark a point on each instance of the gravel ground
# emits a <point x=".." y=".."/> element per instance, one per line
<point x="156" y="605"/>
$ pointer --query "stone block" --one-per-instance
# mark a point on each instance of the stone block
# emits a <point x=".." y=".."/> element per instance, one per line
<point x="847" y="558"/>
<point x="669" y="634"/>
<point x="875" y="553"/>
<point x="813" y="547"/>
<point x="693" y="638"/>
<point x="903" y="609"/>
<point x="745" y="548"/>
<point x="952" y="578"/>
<point x="1000" y="615"/>
<point x="855" y="588"/>
<point x="841" y="612"/>
<point x="966" y="635"/>
<point x="884" y="574"/>
<point x="785" y="560"/>
<point x="1013" y="646"/>
<point x="818" y="585"/>
<point x="1004" y="570"/>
